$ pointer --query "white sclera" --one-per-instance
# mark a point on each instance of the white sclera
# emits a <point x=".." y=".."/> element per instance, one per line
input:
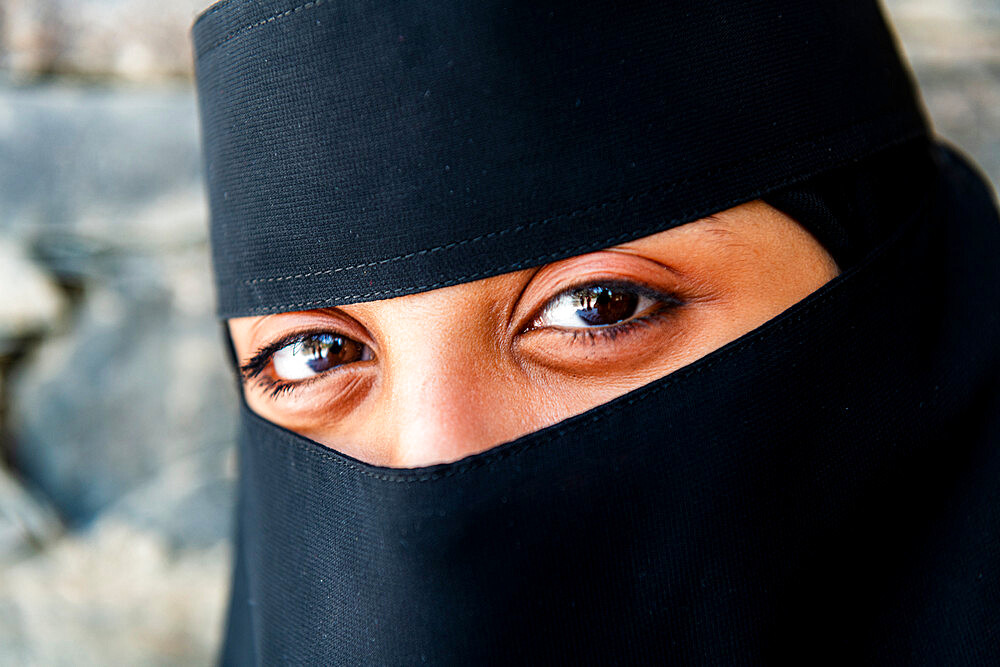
<point x="292" y="361"/>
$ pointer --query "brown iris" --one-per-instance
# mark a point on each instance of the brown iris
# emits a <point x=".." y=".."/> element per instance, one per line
<point x="602" y="306"/>
<point x="326" y="351"/>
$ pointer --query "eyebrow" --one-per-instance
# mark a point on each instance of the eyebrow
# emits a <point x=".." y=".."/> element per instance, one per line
<point x="716" y="225"/>
<point x="720" y="231"/>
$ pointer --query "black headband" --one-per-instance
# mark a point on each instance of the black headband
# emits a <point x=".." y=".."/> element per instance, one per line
<point x="362" y="150"/>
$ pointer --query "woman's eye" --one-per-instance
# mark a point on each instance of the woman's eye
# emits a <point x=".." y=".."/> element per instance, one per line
<point x="315" y="354"/>
<point x="594" y="306"/>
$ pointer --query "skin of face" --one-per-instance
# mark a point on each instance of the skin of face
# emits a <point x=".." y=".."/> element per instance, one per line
<point x="457" y="370"/>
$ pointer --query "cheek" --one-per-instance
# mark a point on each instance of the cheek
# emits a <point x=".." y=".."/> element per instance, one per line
<point x="561" y="387"/>
<point x="598" y="360"/>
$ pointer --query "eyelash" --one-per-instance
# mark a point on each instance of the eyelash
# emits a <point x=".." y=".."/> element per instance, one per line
<point x="252" y="370"/>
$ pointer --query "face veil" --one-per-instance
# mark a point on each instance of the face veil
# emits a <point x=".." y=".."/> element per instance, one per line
<point x="825" y="484"/>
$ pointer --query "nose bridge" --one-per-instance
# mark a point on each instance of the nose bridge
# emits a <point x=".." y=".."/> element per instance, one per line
<point x="441" y="383"/>
<point x="442" y="419"/>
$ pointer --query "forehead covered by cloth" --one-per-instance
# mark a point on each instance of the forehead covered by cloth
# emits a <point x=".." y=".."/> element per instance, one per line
<point x="359" y="150"/>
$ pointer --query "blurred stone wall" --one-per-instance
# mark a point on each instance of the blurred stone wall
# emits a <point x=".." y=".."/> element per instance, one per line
<point x="954" y="49"/>
<point x="116" y="409"/>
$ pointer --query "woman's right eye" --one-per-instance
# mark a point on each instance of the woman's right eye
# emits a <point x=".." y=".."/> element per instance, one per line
<point x="313" y="354"/>
<point x="595" y="306"/>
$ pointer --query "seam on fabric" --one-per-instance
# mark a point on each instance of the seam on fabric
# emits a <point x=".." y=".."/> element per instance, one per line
<point x="467" y="277"/>
<point x="475" y="239"/>
<point x="490" y="458"/>
<point x="252" y="26"/>
<point x="522" y="263"/>
<point x="663" y="187"/>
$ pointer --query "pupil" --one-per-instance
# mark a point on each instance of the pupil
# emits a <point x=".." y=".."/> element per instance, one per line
<point x="601" y="306"/>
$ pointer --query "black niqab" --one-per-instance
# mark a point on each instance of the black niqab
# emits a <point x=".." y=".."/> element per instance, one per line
<point x="824" y="488"/>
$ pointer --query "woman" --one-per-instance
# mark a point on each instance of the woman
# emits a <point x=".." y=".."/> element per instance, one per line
<point x="579" y="334"/>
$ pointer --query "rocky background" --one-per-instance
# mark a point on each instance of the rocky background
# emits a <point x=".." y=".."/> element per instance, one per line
<point x="116" y="410"/>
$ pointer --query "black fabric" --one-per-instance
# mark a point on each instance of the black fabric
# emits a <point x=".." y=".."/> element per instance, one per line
<point x="824" y="488"/>
<point x="358" y="150"/>
<point x="849" y="209"/>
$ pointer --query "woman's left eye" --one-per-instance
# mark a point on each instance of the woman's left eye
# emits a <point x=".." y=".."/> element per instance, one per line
<point x="315" y="354"/>
<point x="595" y="306"/>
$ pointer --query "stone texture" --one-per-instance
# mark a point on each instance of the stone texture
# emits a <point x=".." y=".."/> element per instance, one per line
<point x="113" y="595"/>
<point x="132" y="39"/>
<point x="104" y="189"/>
<point x="120" y="418"/>
<point x="30" y="301"/>
<point x="940" y="31"/>
<point x="28" y="523"/>
<point x="131" y="396"/>
<point x="88" y="169"/>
